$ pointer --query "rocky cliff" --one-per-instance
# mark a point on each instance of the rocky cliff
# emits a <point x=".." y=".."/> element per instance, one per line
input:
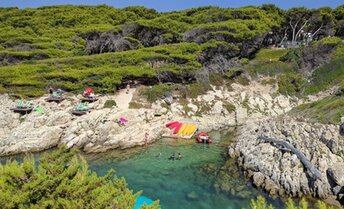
<point x="279" y="171"/>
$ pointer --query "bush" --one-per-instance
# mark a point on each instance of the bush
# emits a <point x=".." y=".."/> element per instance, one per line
<point x="136" y="105"/>
<point x="261" y="203"/>
<point x="110" y="103"/>
<point x="153" y="93"/>
<point x="270" y="81"/>
<point x="326" y="76"/>
<point x="290" y="83"/>
<point x="61" y="180"/>
<point x="216" y="79"/>
<point x="243" y="80"/>
<point x="269" y="55"/>
<point x="327" y="110"/>
<point x="269" y="69"/>
<point x="196" y="89"/>
<point x="229" y="107"/>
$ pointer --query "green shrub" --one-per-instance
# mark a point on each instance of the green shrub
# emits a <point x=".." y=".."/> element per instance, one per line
<point x="233" y="73"/>
<point x="270" y="81"/>
<point x="261" y="203"/>
<point x="110" y="103"/>
<point x="61" y="180"/>
<point x="216" y="79"/>
<point x="136" y="105"/>
<point x="326" y="76"/>
<point x="269" y="69"/>
<point x="154" y="93"/>
<point x="269" y="55"/>
<point x="243" y="80"/>
<point x="196" y="89"/>
<point x="327" y="110"/>
<point x="244" y="61"/>
<point x="229" y="107"/>
<point x="290" y="84"/>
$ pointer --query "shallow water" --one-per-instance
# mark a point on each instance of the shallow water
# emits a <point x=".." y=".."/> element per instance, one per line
<point x="186" y="183"/>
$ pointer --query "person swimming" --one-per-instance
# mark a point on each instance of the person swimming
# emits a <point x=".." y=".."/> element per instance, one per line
<point x="179" y="156"/>
<point x="158" y="155"/>
<point x="172" y="157"/>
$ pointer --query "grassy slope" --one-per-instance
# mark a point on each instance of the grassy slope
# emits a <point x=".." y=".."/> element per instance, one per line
<point x="49" y="45"/>
<point x="327" y="110"/>
<point x="57" y="36"/>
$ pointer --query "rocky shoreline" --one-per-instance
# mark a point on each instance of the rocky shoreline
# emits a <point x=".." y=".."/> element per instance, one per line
<point x="97" y="131"/>
<point x="255" y="109"/>
<point x="279" y="171"/>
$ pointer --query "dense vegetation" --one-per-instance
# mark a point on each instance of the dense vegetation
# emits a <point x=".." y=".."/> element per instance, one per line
<point x="61" y="180"/>
<point x="261" y="203"/>
<point x="104" y="47"/>
<point x="327" y="110"/>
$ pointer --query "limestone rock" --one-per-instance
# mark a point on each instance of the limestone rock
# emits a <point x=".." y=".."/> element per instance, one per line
<point x="281" y="172"/>
<point x="336" y="172"/>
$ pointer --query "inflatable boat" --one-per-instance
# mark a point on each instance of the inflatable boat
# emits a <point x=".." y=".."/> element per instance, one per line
<point x="204" y="138"/>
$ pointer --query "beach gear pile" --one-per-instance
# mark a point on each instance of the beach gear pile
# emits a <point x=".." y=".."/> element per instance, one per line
<point x="182" y="129"/>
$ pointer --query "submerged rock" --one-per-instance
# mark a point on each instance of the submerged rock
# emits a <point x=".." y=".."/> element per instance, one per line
<point x="192" y="195"/>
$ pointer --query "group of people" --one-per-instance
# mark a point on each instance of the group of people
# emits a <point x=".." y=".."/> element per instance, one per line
<point x="172" y="157"/>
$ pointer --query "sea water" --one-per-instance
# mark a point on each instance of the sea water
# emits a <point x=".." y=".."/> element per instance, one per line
<point x="188" y="183"/>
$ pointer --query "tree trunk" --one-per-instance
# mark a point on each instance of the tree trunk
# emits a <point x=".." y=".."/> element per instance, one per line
<point x="299" y="31"/>
<point x="284" y="37"/>
<point x="317" y="31"/>
<point x="314" y="171"/>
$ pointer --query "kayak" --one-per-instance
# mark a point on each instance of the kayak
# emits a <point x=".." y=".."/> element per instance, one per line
<point x="176" y="130"/>
<point x="174" y="125"/>
<point x="187" y="130"/>
<point x="192" y="129"/>
<point x="182" y="129"/>
<point x="171" y="123"/>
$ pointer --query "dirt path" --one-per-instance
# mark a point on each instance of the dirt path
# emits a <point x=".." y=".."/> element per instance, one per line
<point x="123" y="99"/>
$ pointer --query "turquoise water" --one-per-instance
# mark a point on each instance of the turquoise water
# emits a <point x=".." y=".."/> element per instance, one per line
<point x="189" y="183"/>
<point x="198" y="181"/>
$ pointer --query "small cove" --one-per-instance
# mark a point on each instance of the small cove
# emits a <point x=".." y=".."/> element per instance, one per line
<point x="204" y="178"/>
<point x="198" y="180"/>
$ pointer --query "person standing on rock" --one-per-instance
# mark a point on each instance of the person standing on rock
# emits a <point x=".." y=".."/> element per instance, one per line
<point x="51" y="90"/>
<point x="128" y="88"/>
<point x="146" y="138"/>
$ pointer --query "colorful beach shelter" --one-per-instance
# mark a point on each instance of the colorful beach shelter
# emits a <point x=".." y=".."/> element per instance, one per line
<point x="142" y="200"/>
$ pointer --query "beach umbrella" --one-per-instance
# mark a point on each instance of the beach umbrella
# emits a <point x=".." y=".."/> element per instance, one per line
<point x="123" y="120"/>
<point x="142" y="200"/>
